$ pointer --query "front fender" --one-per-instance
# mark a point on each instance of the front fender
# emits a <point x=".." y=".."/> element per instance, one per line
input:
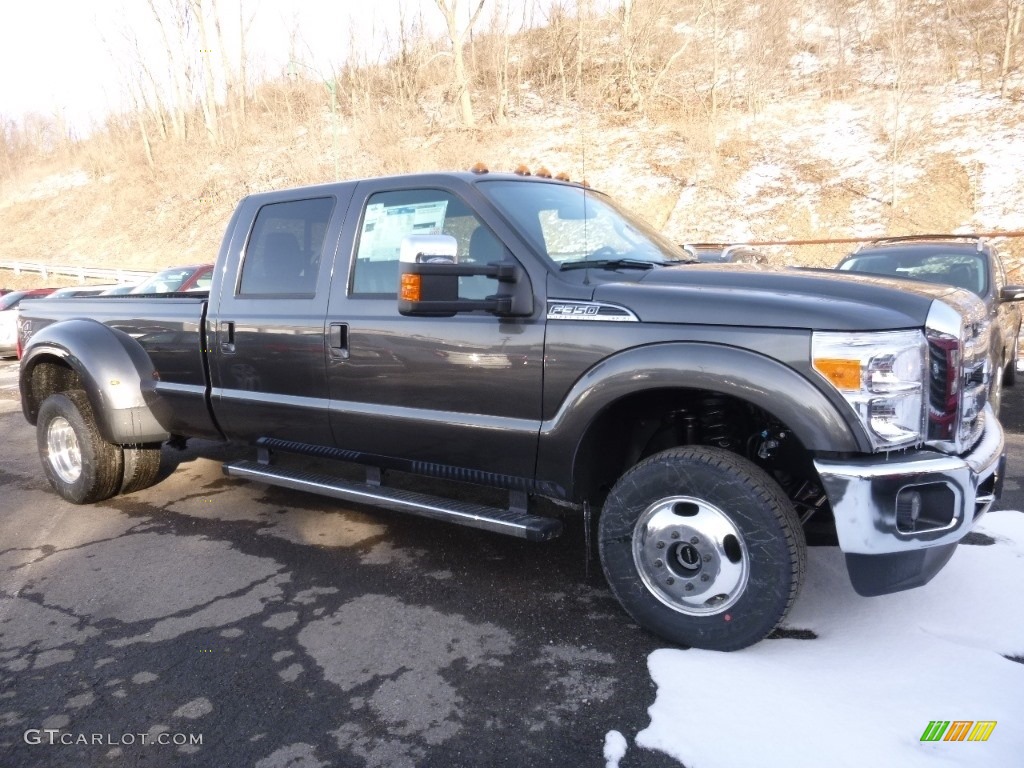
<point x="746" y="375"/>
<point x="116" y="373"/>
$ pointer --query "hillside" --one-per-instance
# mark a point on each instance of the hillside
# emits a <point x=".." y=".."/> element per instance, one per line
<point x="892" y="151"/>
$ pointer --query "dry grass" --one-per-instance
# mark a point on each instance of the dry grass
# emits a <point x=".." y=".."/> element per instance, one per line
<point x="629" y="107"/>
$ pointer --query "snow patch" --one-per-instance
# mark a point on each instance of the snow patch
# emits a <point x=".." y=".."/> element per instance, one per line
<point x="864" y="691"/>
<point x="614" y="748"/>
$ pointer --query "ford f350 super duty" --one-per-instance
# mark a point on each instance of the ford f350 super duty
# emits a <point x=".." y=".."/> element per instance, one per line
<point x="528" y="335"/>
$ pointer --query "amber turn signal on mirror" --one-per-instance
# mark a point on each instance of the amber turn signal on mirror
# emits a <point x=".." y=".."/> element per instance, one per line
<point x="411" y="288"/>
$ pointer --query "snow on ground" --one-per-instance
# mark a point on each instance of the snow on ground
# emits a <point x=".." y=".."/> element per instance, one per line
<point x="997" y="163"/>
<point x="50" y="186"/>
<point x="801" y="151"/>
<point x="863" y="691"/>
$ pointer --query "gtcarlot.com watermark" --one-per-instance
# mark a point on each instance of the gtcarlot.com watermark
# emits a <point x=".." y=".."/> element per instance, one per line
<point x="55" y="736"/>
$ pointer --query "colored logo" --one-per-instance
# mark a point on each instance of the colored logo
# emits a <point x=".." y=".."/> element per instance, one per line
<point x="958" y="730"/>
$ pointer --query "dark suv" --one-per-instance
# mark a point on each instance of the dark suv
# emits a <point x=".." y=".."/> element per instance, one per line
<point x="964" y="261"/>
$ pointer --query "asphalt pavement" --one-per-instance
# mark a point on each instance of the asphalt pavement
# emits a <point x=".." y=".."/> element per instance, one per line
<point x="225" y="623"/>
<point x="282" y="629"/>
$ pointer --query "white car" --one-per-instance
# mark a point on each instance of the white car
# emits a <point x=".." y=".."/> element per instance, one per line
<point x="9" y="303"/>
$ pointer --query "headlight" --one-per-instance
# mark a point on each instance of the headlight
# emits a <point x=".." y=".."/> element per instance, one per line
<point x="881" y="375"/>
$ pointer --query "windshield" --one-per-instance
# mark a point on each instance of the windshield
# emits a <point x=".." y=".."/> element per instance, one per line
<point x="962" y="270"/>
<point x="10" y="300"/>
<point x="167" y="281"/>
<point x="573" y="224"/>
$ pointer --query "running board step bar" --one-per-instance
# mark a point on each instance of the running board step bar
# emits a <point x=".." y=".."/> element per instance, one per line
<point x="507" y="521"/>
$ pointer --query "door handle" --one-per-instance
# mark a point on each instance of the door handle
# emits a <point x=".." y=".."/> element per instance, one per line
<point x="227" y="337"/>
<point x="337" y="340"/>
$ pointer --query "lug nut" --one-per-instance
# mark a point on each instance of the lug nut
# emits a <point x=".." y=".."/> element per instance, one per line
<point x="707" y="558"/>
<point x="689" y="587"/>
<point x="695" y="540"/>
<point x="658" y="563"/>
<point x="705" y="577"/>
<point x="675" y="534"/>
<point x="661" y="545"/>
<point x="671" y="581"/>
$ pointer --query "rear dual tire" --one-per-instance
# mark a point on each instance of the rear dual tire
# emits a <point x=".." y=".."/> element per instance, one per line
<point x="80" y="465"/>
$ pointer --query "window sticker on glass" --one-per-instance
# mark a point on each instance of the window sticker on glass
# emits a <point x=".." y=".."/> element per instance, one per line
<point x="384" y="227"/>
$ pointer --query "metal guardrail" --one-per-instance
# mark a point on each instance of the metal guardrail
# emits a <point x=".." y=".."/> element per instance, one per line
<point x="116" y="275"/>
<point x="870" y="238"/>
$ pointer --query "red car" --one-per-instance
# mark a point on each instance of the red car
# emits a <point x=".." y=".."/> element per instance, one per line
<point x="196" y="277"/>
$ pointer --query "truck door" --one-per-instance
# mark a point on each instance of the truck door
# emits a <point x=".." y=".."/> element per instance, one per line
<point x="463" y="391"/>
<point x="267" y="344"/>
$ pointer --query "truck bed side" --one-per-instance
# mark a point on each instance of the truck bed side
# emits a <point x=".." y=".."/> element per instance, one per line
<point x="162" y="338"/>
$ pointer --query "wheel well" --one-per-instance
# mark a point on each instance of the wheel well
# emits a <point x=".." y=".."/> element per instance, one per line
<point x="49" y="376"/>
<point x="645" y="423"/>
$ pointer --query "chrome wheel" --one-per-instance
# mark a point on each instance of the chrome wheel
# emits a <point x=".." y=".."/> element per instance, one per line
<point x="62" y="450"/>
<point x="690" y="555"/>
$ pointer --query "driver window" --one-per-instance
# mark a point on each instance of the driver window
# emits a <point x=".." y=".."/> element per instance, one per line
<point x="390" y="216"/>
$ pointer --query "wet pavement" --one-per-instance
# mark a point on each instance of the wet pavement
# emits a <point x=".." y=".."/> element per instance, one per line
<point x="282" y="629"/>
<point x="212" y="622"/>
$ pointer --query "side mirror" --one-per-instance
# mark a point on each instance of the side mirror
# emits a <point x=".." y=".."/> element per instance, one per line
<point x="1012" y="293"/>
<point x="429" y="281"/>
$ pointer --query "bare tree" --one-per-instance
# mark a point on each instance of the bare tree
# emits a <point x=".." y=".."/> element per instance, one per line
<point x="457" y="36"/>
<point x="499" y="49"/>
<point x="1013" y="17"/>
<point x="208" y="101"/>
<point x="901" y="53"/>
<point x="140" y="121"/>
<point x="767" y="52"/>
<point x="174" y="25"/>
<point x="142" y="87"/>
<point x="227" y="69"/>
<point x="13" y="146"/>
<point x="842" y="18"/>
<point x="244" y="25"/>
<point x="627" y="43"/>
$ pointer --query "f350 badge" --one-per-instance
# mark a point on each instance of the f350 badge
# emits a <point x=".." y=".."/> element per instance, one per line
<point x="589" y="310"/>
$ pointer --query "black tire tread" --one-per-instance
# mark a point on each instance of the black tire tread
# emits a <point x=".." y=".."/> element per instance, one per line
<point x="765" y="488"/>
<point x="103" y="470"/>
<point x="141" y="467"/>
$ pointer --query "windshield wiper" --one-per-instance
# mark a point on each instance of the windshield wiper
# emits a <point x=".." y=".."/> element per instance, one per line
<point x="612" y="264"/>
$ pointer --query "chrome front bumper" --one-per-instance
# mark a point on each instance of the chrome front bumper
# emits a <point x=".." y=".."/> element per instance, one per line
<point x="863" y="491"/>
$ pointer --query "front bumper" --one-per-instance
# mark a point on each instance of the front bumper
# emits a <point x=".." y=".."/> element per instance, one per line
<point x="883" y="552"/>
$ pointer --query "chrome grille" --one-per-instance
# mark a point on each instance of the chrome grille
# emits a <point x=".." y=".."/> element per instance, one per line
<point x="959" y="377"/>
<point x="975" y="383"/>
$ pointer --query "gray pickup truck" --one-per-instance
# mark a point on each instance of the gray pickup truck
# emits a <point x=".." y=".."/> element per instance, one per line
<point x="526" y="336"/>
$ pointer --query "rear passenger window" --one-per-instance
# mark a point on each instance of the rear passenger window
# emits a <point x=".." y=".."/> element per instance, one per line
<point x="390" y="216"/>
<point x="285" y="248"/>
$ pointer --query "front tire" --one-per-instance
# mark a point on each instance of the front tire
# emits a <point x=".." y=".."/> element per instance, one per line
<point x="81" y="466"/>
<point x="702" y="548"/>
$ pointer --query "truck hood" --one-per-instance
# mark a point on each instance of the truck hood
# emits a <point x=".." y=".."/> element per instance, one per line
<point x="817" y="299"/>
